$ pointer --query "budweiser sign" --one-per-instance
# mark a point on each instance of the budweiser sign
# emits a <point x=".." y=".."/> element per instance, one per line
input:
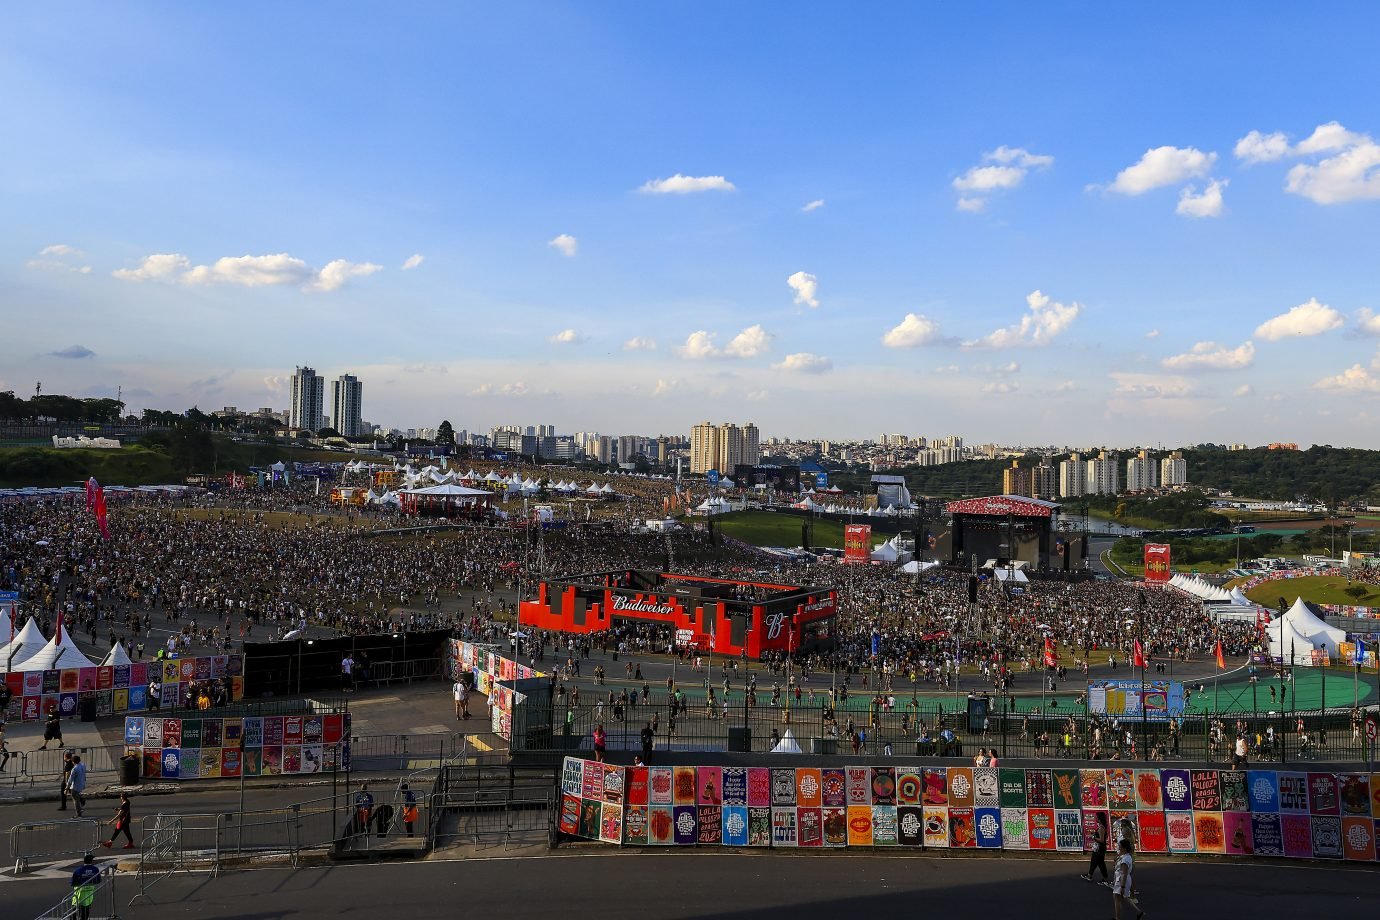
<point x="635" y="605"/>
<point x="823" y="604"/>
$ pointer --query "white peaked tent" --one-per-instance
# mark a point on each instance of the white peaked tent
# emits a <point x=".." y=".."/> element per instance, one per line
<point x="787" y="745"/>
<point x="1310" y="632"/>
<point x="1287" y="645"/>
<point x="28" y="643"/>
<point x="806" y="504"/>
<point x="116" y="656"/>
<point x="56" y="655"/>
<point x="6" y="624"/>
<point x="915" y="565"/>
<point x="1240" y="599"/>
<point x="885" y="553"/>
<point x="594" y="489"/>
<point x="1016" y="576"/>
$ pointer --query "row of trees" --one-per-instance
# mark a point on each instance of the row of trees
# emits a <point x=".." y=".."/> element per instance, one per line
<point x="61" y="408"/>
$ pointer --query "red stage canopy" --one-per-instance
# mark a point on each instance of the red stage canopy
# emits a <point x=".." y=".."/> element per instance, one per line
<point x="1003" y="505"/>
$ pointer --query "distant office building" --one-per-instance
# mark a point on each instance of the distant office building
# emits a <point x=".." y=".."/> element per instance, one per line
<point x="1044" y="481"/>
<point x="1103" y="477"/>
<point x="347" y="394"/>
<point x="1174" y="470"/>
<point x="1016" y="481"/>
<point x="1142" y="473"/>
<point x="723" y="447"/>
<point x="308" y="399"/>
<point x="1073" y="477"/>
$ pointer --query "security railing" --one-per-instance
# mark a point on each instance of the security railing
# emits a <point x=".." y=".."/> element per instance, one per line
<point x="33" y="840"/>
<point x="98" y="898"/>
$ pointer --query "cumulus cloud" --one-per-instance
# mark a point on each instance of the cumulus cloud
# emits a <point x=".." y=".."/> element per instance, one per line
<point x="1163" y="166"/>
<point x="1207" y="203"/>
<point x="336" y="273"/>
<point x="1262" y="148"/>
<point x="1153" y="334"/>
<point x="506" y="389"/>
<point x="999" y="386"/>
<point x="751" y="342"/>
<point x="413" y="261"/>
<point x="1244" y="390"/>
<point x="805" y="286"/>
<point x="664" y="386"/>
<point x="1347" y="168"/>
<point x="913" y="331"/>
<point x="685" y="185"/>
<point x="1355" y="379"/>
<point x="813" y="205"/>
<point x="566" y="244"/>
<point x="805" y="363"/>
<point x="1045" y="321"/>
<point x="1307" y="319"/>
<point x="1003" y="168"/>
<point x="59" y="257"/>
<point x="698" y="345"/>
<point x="1367" y="322"/>
<point x="248" y="271"/>
<point x="73" y="351"/>
<point x="1152" y="386"/>
<point x="59" y="250"/>
<point x="155" y="268"/>
<point x="565" y="337"/>
<point x="1066" y="386"/>
<point x="640" y="343"/>
<point x="276" y="383"/>
<point x="1209" y="356"/>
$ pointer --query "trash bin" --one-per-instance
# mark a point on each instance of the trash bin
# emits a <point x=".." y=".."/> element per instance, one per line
<point x="86" y="709"/>
<point x="129" y="770"/>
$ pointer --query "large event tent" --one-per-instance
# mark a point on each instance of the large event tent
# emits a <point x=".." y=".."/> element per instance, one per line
<point x="116" y="656"/>
<point x="60" y="653"/>
<point x="28" y="643"/>
<point x="1299" y="632"/>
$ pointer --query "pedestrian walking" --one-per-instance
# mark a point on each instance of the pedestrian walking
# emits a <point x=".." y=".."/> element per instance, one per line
<point x="1123" y="886"/>
<point x="601" y="739"/>
<point x="52" y="729"/>
<point x="121" y="824"/>
<point x="458" y="691"/>
<point x="62" y="786"/>
<point x="4" y="750"/>
<point x="648" y="738"/>
<point x="409" y="812"/>
<point x="76" y="783"/>
<point x="1099" y="852"/>
<point x="84" y="882"/>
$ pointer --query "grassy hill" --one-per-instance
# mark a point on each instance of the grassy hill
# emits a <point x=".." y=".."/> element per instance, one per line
<point x="767" y="528"/>
<point x="1316" y="589"/>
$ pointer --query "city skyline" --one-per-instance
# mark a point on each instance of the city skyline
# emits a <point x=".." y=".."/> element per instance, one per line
<point x="833" y="224"/>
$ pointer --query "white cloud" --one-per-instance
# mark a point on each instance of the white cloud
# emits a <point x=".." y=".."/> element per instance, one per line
<point x="1327" y="138"/>
<point x="1207" y="204"/>
<point x="1349" y="172"/>
<point x="1067" y="386"/>
<point x="1244" y="390"/>
<point x="948" y="369"/>
<point x="757" y="395"/>
<point x="1262" y="148"/>
<point x="507" y="389"/>
<point x="813" y="205"/>
<point x="413" y="261"/>
<point x="698" y="345"/>
<point x="155" y="268"/>
<point x="1020" y="156"/>
<point x="971" y="205"/>
<point x="1367" y="322"/>
<point x="1046" y="320"/>
<point x="1000" y="386"/>
<point x="277" y="383"/>
<point x="684" y="185"/>
<point x="640" y="343"/>
<point x="915" y="330"/>
<point x="805" y="363"/>
<point x="751" y="342"/>
<point x="57" y="258"/>
<point x="60" y="250"/>
<point x="248" y="271"/>
<point x="987" y="178"/>
<point x="566" y="243"/>
<point x="1163" y="166"/>
<point x="1152" y="386"/>
<point x="1153" y="334"/>
<point x="1355" y="379"/>
<point x="805" y="286"/>
<point x="1210" y="356"/>
<point x="664" y="386"/>
<point x="1307" y="319"/>
<point x="565" y="337"/>
<point x="1005" y="168"/>
<point x="339" y="271"/>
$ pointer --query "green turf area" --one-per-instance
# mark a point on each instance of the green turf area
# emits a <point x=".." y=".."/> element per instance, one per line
<point x="1316" y="589"/>
<point x="767" y="528"/>
<point x="1234" y="694"/>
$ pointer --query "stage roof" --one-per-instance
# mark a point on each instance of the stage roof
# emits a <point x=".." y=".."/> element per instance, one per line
<point x="1004" y="505"/>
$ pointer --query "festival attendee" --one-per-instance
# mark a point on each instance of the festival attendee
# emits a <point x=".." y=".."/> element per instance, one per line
<point x="76" y="783"/>
<point x="52" y="729"/>
<point x="409" y="812"/>
<point x="364" y="808"/>
<point x="1098" y="859"/>
<point x="121" y="823"/>
<point x="1123" y="886"/>
<point x="67" y="764"/>
<point x="600" y="738"/>
<point x="85" y="880"/>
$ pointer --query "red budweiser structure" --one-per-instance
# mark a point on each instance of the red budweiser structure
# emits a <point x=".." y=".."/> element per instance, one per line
<point x="709" y="614"/>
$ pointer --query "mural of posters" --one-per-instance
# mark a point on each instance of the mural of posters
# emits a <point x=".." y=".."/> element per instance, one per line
<point x="1151" y="830"/>
<point x="191" y="764"/>
<point x="1067" y="792"/>
<point x="1262" y="791"/>
<point x="233" y="731"/>
<point x="759" y="788"/>
<point x="1178" y="827"/>
<point x="210" y="763"/>
<point x="783" y="828"/>
<point x="569" y="822"/>
<point x="1068" y="830"/>
<point x="637" y="785"/>
<point x="1117" y="832"/>
<point x="1375" y="795"/>
<point x="711" y="830"/>
<point x="52" y="683"/>
<point x="592" y="781"/>
<point x="859" y="783"/>
<point x="572" y="773"/>
<point x="273" y="761"/>
<point x="1209" y="832"/>
<point x="134" y="730"/>
<point x="935" y="786"/>
<point x="987" y="826"/>
<point x="1327" y="837"/>
<point x="313" y="730"/>
<point x="1358" y="839"/>
<point x="212" y="734"/>
<point x="735" y="822"/>
<point x="1148" y="795"/>
<point x="67" y="705"/>
<point x="986" y="788"/>
<point x="138" y="698"/>
<point x="960" y="787"/>
<point x="1297" y="831"/>
<point x="910" y="822"/>
<point x="710" y="782"/>
<point x="660" y="785"/>
<point x="687" y="825"/>
<point x="1039" y="788"/>
<point x="591" y="814"/>
<point x="1121" y="788"/>
<point x="1207" y="790"/>
<point x="253" y="727"/>
<point x="1041" y="828"/>
<point x="885" y="831"/>
<point x="153" y="733"/>
<point x="759" y="826"/>
<point x="883" y="785"/>
<point x="1012" y="788"/>
<point x="292" y="729"/>
<point x="686" y="786"/>
<point x="1322" y="794"/>
<point x="613" y="784"/>
<point x="332" y="729"/>
<point x="1267" y="835"/>
<point x="810" y="822"/>
<point x="1015" y="829"/>
<point x="1093" y="819"/>
<point x="229" y="762"/>
<point x="660" y="824"/>
<point x="105" y="702"/>
<point x="1233" y="784"/>
<point x="273" y="731"/>
<point x="836" y="826"/>
<point x="735" y="790"/>
<point x="153" y="763"/>
<point x="69" y="680"/>
<point x="962" y="828"/>
<point x="313" y="758"/>
<point x="860" y="825"/>
<point x="139" y="674"/>
<point x="936" y="818"/>
<point x="253" y="761"/>
<point x="809" y="792"/>
<point x="834" y="786"/>
<point x="1293" y="793"/>
<point x="102" y="678"/>
<point x="196" y="669"/>
<point x="1236" y="831"/>
<point x="1353" y="790"/>
<point x="120" y="678"/>
<point x="1092" y="785"/>
<point x="783" y="787"/>
<point x="171" y="673"/>
<point x="1178" y="794"/>
<point x="170" y="695"/>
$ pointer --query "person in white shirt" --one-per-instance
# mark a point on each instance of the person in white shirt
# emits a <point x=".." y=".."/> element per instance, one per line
<point x="347" y="672"/>
<point x="462" y="700"/>
<point x="1123" y="884"/>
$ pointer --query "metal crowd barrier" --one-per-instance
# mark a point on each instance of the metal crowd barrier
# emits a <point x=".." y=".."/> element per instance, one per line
<point x="52" y="839"/>
<point x="41" y="766"/>
<point x="102" y="901"/>
<point x="160" y="852"/>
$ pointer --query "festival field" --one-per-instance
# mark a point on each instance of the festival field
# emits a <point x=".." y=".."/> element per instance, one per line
<point x="767" y="528"/>
<point x="1316" y="589"/>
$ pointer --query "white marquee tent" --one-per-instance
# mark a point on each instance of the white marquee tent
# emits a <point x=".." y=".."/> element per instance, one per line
<point x="116" y="656"/>
<point x="1299" y="632"/>
<point x="56" y="655"/>
<point x="28" y="643"/>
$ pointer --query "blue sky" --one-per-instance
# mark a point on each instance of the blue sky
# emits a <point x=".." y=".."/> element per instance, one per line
<point x="1018" y="224"/>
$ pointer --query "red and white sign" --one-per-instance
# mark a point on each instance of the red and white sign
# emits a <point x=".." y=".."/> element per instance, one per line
<point x="1157" y="563"/>
<point x="857" y="542"/>
<point x="1001" y="505"/>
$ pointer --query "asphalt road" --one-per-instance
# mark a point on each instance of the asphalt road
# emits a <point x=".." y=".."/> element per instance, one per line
<point x="681" y="886"/>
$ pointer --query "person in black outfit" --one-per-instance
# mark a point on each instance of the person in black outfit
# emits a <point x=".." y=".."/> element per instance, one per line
<point x="648" y="735"/>
<point x="67" y="765"/>
<point x="52" y="729"/>
<point x="1099" y="853"/>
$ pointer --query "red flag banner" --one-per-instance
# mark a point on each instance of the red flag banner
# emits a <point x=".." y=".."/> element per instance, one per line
<point x="100" y="513"/>
<point x="1138" y="656"/>
<point x="1156" y="563"/>
<point x="857" y="542"/>
<point x="1051" y="660"/>
<point x="1221" y="664"/>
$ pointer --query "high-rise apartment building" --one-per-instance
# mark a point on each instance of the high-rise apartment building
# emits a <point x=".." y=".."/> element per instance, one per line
<point x="1103" y="477"/>
<point x="1142" y="473"/>
<point x="1174" y="470"/>
<point x="308" y="398"/>
<point x="1044" y="481"/>
<point x="347" y="394"/>
<point x="1073" y="477"/>
<point x="723" y="447"/>
<point x="1016" y="481"/>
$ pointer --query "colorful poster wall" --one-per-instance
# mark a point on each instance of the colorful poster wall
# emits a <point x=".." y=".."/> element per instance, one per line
<point x="119" y="688"/>
<point x="214" y="748"/>
<point x="489" y="669"/>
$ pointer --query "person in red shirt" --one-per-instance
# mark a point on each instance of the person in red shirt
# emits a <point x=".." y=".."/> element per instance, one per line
<point x="600" y="741"/>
